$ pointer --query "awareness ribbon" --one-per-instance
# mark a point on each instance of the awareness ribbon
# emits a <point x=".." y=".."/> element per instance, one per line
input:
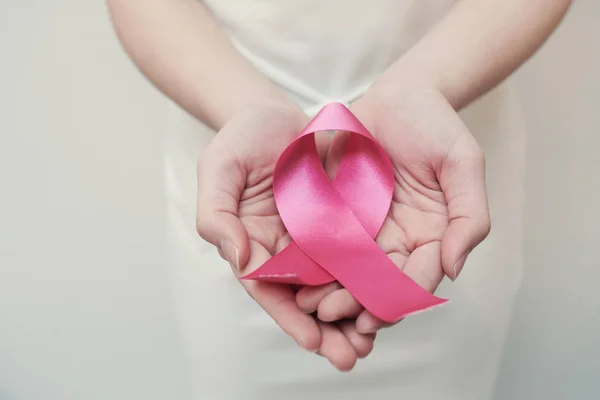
<point x="333" y="223"/>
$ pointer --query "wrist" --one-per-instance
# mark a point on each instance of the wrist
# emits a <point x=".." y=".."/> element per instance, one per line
<point x="268" y="102"/>
<point x="269" y="109"/>
<point x="396" y="83"/>
<point x="386" y="97"/>
<point x="412" y="74"/>
<point x="282" y="105"/>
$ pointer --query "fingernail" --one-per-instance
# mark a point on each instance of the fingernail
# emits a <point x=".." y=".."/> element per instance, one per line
<point x="229" y="252"/>
<point x="458" y="266"/>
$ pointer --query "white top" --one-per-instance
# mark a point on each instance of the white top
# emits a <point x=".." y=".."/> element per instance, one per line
<point x="332" y="50"/>
<point x="325" y="50"/>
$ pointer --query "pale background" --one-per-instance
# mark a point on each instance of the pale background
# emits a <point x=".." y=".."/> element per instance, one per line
<point x="85" y="310"/>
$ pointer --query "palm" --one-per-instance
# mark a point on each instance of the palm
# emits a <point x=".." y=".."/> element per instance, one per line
<point x="423" y="137"/>
<point x="267" y="137"/>
<point x="414" y="227"/>
<point x="431" y="216"/>
<point x="235" y="181"/>
<point x="258" y="213"/>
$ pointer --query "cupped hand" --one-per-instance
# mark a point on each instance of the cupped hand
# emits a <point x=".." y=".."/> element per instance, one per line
<point x="439" y="211"/>
<point x="237" y="213"/>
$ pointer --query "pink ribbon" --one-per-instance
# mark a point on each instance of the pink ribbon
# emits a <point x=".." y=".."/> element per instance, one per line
<point x="333" y="223"/>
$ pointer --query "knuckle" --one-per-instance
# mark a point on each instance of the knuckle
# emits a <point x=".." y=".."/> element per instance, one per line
<point x="202" y="225"/>
<point x="485" y="227"/>
<point x="477" y="156"/>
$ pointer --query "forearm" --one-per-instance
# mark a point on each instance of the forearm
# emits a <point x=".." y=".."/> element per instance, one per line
<point x="476" y="46"/>
<point x="180" y="48"/>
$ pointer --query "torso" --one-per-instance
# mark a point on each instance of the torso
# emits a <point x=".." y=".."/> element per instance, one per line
<point x="324" y="50"/>
<point x="319" y="51"/>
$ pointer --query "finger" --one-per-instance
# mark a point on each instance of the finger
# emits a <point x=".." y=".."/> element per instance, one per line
<point x="221" y="181"/>
<point x="309" y="297"/>
<point x="367" y="323"/>
<point x="336" y="347"/>
<point x="424" y="267"/>
<point x="363" y="344"/>
<point x="338" y="305"/>
<point x="279" y="301"/>
<point x="462" y="179"/>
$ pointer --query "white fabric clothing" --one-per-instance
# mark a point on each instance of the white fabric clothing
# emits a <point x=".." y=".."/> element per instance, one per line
<point x="332" y="50"/>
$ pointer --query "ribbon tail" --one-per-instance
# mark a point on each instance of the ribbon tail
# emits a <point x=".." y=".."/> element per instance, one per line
<point x="408" y="299"/>
<point x="291" y="266"/>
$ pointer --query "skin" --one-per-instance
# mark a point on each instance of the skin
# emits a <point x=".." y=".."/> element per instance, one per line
<point x="439" y="209"/>
<point x="238" y="214"/>
<point x="472" y="49"/>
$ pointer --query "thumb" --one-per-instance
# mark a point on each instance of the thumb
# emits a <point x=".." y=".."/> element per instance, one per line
<point x="220" y="184"/>
<point x="462" y="178"/>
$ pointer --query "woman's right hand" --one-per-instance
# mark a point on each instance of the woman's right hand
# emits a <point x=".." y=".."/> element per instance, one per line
<point x="237" y="213"/>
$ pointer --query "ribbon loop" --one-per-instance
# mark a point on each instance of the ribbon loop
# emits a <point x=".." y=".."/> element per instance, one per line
<point x="333" y="223"/>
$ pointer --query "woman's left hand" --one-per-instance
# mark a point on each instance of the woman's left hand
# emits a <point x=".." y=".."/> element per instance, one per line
<point x="439" y="211"/>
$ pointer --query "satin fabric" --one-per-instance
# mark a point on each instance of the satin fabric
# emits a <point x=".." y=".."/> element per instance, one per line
<point x="333" y="224"/>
